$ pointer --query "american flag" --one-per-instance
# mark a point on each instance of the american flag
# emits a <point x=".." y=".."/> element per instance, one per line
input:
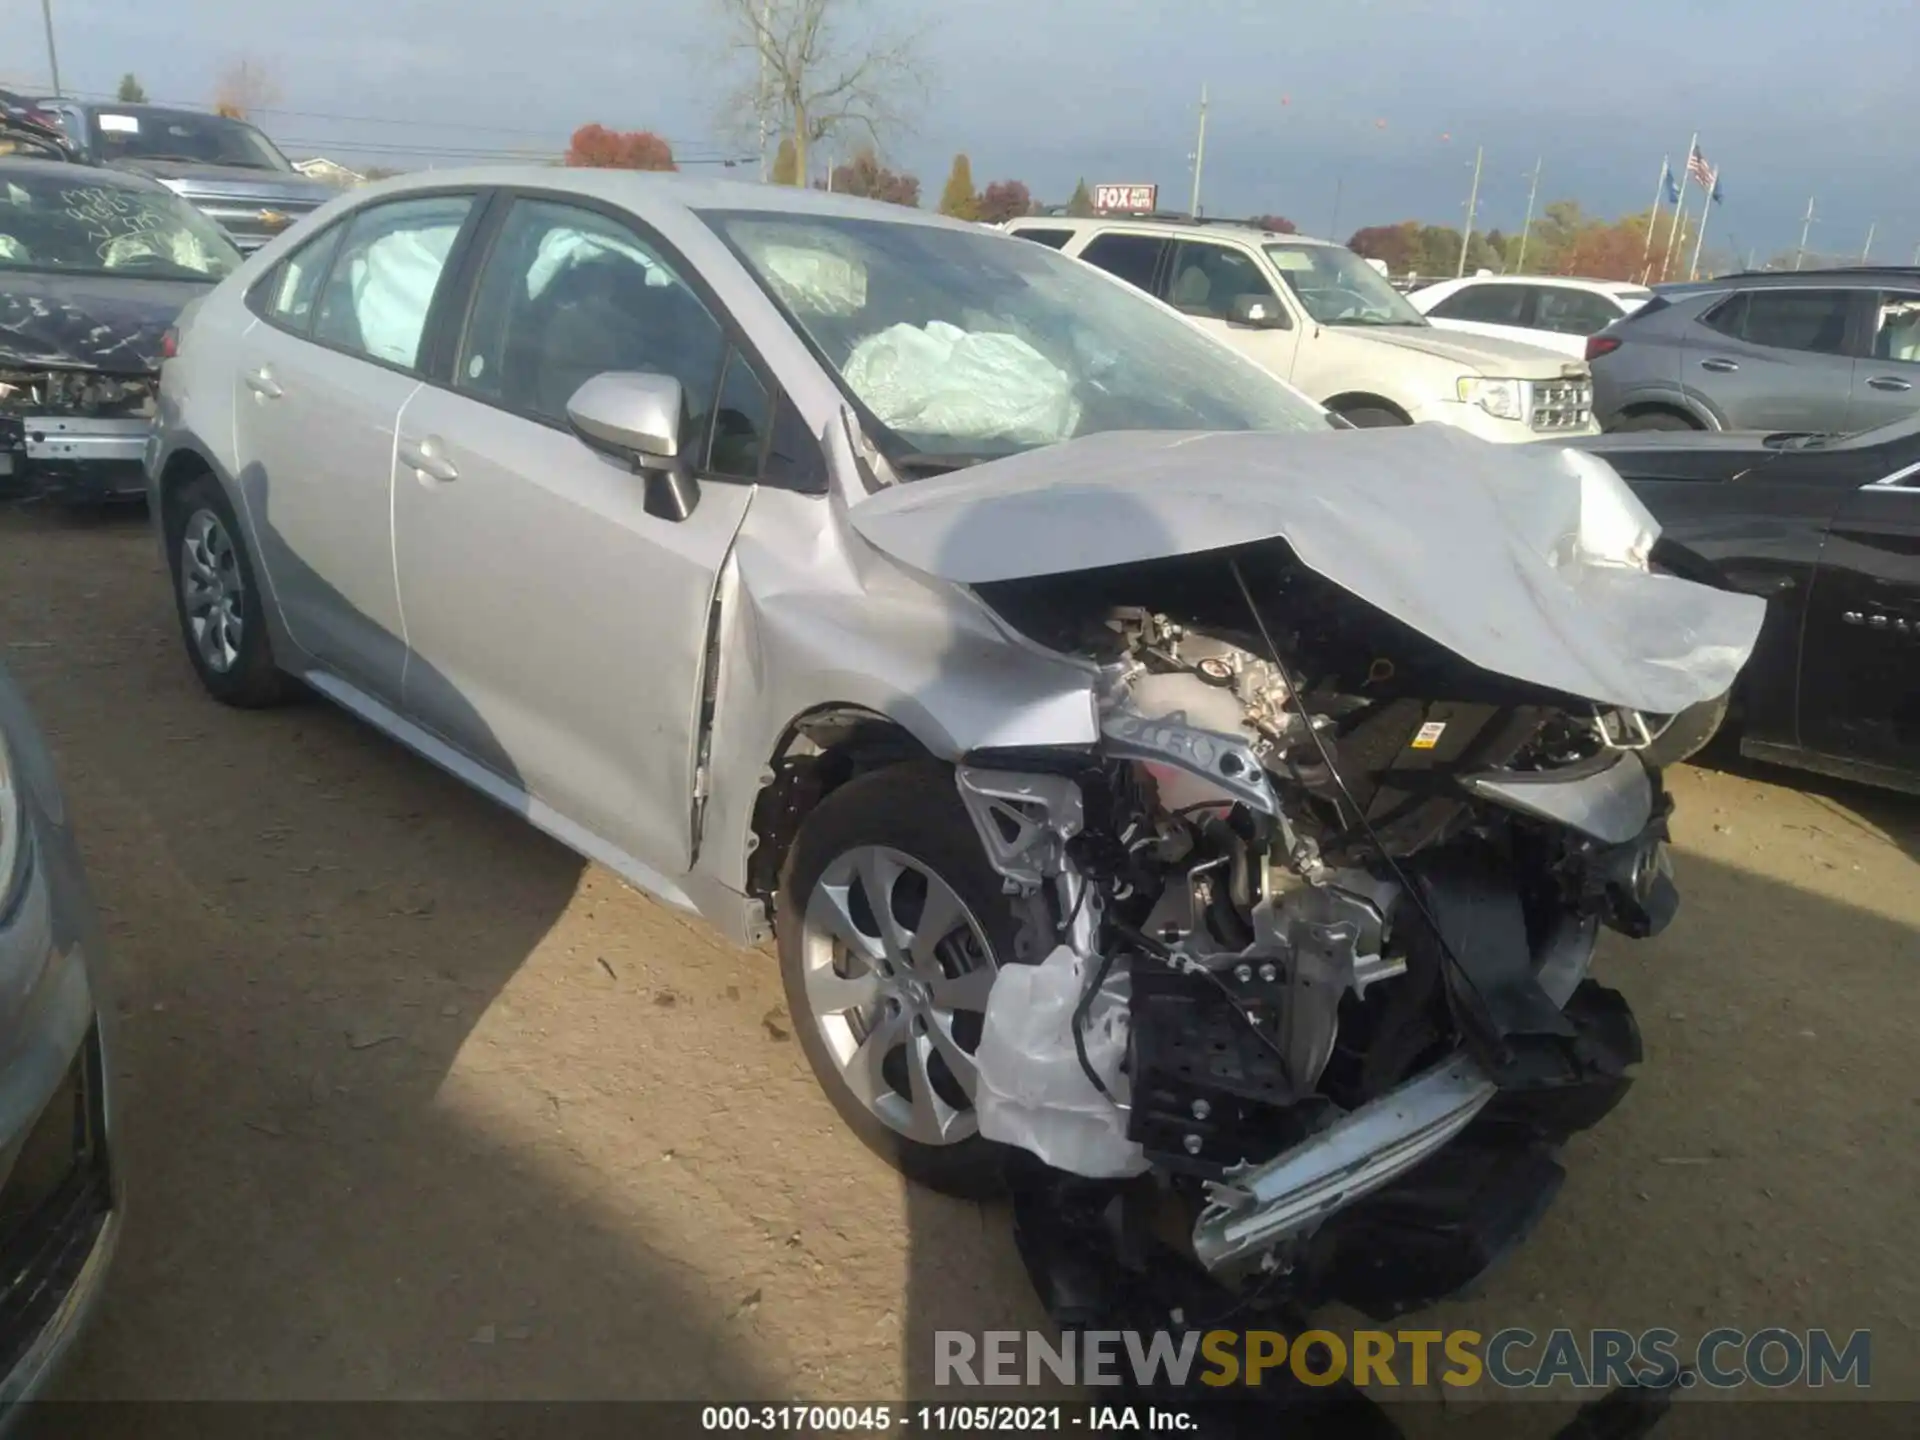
<point x="1699" y="170"/>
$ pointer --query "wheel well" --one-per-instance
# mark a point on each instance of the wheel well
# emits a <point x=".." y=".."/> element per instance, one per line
<point x="1340" y="404"/>
<point x="1662" y="407"/>
<point x="182" y="469"/>
<point x="820" y="752"/>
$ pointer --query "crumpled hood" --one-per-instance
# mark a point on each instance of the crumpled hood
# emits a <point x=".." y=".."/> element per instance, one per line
<point x="1523" y="560"/>
<point x="1481" y="354"/>
<point x="94" y="322"/>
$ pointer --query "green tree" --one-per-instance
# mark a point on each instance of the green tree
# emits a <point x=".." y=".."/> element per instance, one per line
<point x="959" y="199"/>
<point x="1082" y="201"/>
<point x="786" y="163"/>
<point x="131" y="92"/>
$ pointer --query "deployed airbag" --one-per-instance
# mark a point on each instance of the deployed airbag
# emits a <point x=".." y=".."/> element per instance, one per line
<point x="1528" y="561"/>
<point x="974" y="385"/>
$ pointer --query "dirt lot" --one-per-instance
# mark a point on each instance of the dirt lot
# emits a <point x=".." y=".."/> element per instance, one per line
<point x="416" y="1104"/>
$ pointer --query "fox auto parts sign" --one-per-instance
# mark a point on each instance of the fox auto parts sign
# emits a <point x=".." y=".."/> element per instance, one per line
<point x="1125" y="197"/>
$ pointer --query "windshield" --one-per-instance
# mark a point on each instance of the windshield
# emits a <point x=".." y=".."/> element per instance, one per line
<point x="183" y="135"/>
<point x="973" y="345"/>
<point x="1336" y="287"/>
<point x="73" y="224"/>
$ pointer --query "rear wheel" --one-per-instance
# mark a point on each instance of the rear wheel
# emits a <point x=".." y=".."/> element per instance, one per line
<point x="1655" y="420"/>
<point x="218" y="603"/>
<point x="892" y="927"/>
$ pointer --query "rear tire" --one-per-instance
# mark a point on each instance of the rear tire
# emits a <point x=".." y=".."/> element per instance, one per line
<point x="217" y="600"/>
<point x="1654" y="420"/>
<point x="870" y="1015"/>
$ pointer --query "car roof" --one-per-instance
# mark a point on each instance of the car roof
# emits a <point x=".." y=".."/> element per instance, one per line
<point x="1565" y="282"/>
<point x="1166" y="224"/>
<point x="655" y="188"/>
<point x="95" y="175"/>
<point x="1842" y="275"/>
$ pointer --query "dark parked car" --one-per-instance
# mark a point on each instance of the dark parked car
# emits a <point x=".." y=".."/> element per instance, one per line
<point x="1827" y="528"/>
<point x="1830" y="350"/>
<point x="225" y="167"/>
<point x="95" y="267"/>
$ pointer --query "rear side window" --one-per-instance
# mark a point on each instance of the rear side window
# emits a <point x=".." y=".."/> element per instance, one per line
<point x="1566" y="311"/>
<point x="1133" y="258"/>
<point x="1052" y="239"/>
<point x="1485" y="304"/>
<point x="1814" y="321"/>
<point x="380" y="289"/>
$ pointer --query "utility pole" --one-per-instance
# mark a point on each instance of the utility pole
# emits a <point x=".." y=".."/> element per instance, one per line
<point x="53" y="56"/>
<point x="1916" y="256"/>
<point x="1805" y="226"/>
<point x="1199" y="154"/>
<point x="1867" y="249"/>
<point x="1473" y="204"/>
<point x="1339" y="185"/>
<point x="1533" y="193"/>
<point x="760" y="45"/>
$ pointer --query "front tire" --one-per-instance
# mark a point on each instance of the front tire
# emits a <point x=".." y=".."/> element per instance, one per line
<point x="891" y="928"/>
<point x="222" y="621"/>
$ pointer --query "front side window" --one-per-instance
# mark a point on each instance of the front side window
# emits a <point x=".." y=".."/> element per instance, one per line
<point x="288" y="300"/>
<point x="568" y="294"/>
<point x="1132" y="258"/>
<point x="1207" y="279"/>
<point x="381" y="287"/>
<point x="1336" y="287"/>
<point x="962" y="344"/>
<point x="1896" y="328"/>
<point x="1485" y="304"/>
<point x="81" y="222"/>
<point x="183" y="135"/>
<point x="1810" y="320"/>
<point x="1567" y="311"/>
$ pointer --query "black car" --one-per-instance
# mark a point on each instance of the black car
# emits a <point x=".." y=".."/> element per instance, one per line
<point x="95" y="267"/>
<point x="226" y="167"/>
<point x="1827" y="529"/>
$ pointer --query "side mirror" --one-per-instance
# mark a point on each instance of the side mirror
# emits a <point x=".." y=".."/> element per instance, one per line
<point x="1259" y="312"/>
<point x="635" y="418"/>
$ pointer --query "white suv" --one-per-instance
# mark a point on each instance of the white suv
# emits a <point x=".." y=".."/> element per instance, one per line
<point x="1317" y="315"/>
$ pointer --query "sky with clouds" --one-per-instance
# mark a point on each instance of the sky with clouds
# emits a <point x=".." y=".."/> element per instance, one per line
<point x="1336" y="114"/>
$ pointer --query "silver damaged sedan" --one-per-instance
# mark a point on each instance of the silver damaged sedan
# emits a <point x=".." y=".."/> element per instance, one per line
<point x="1137" y="772"/>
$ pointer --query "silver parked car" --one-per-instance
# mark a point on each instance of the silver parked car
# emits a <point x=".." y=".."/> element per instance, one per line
<point x="59" y="1188"/>
<point x="1136" y="769"/>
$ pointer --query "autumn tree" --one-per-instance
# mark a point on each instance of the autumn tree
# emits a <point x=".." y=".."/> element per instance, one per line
<point x="865" y="176"/>
<point x="958" y="198"/>
<point x="244" y="87"/>
<point x="596" y="147"/>
<point x="1278" y="224"/>
<point x="815" y="69"/>
<point x="1398" y="245"/>
<point x="1081" y="203"/>
<point x="1004" y="200"/>
<point x="131" y="91"/>
<point x="786" y="165"/>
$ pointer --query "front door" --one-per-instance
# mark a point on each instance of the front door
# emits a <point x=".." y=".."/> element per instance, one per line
<point x="321" y="378"/>
<point x="1860" y="677"/>
<point x="1206" y="280"/>
<point x="557" y="631"/>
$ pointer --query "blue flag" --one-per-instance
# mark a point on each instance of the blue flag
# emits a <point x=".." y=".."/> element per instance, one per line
<point x="1716" y="190"/>
<point x="1673" y="190"/>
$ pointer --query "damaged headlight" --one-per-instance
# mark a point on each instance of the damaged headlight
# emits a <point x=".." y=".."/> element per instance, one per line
<point x="1502" y="399"/>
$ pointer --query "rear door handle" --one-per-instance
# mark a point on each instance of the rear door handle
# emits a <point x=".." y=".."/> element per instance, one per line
<point x="424" y="458"/>
<point x="1719" y="366"/>
<point x="1889" y="382"/>
<point x="262" y="383"/>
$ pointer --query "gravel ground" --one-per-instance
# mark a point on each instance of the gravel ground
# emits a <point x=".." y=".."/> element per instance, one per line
<point x="416" y="1104"/>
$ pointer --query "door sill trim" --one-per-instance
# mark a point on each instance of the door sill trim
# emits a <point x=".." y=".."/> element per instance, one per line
<point x="1863" y="772"/>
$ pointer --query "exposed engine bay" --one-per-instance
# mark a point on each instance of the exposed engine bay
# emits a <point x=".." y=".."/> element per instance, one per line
<point x="1326" y="900"/>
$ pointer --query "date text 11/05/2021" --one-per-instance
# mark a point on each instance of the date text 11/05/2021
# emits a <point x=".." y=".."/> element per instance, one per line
<point x="947" y="1419"/>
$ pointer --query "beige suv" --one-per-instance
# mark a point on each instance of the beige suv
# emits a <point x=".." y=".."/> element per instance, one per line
<point x="1319" y="316"/>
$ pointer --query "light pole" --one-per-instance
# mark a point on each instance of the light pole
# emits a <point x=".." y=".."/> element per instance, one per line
<point x="53" y="56"/>
<point x="1473" y="203"/>
<point x="1533" y="192"/>
<point x="1199" y="153"/>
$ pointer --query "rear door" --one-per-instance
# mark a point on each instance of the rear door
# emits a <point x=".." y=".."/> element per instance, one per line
<point x="1860" y="678"/>
<point x="1883" y="388"/>
<point x="1776" y="359"/>
<point x="1138" y="259"/>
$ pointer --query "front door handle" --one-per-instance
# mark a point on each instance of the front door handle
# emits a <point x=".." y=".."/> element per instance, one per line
<point x="1889" y="382"/>
<point x="424" y="458"/>
<point x="1719" y="366"/>
<point x="262" y="383"/>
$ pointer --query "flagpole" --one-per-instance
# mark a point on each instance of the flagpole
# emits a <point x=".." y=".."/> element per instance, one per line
<point x="1700" y="238"/>
<point x="1680" y="205"/>
<point x="1653" y="220"/>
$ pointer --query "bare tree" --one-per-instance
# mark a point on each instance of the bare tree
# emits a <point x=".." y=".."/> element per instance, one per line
<point x="816" y="69"/>
<point x="245" y="85"/>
